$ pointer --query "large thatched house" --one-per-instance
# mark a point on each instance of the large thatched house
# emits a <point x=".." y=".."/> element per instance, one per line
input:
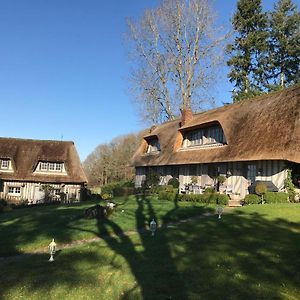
<point x="33" y="169"/>
<point x="256" y="140"/>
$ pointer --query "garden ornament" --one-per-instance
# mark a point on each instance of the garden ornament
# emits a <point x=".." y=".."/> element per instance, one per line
<point x="52" y="249"/>
<point x="153" y="227"/>
<point x="219" y="211"/>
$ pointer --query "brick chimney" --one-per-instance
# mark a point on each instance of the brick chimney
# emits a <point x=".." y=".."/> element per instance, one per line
<point x="186" y="115"/>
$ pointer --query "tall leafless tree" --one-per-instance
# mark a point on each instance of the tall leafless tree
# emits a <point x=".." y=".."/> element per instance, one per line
<point x="110" y="162"/>
<point x="174" y="50"/>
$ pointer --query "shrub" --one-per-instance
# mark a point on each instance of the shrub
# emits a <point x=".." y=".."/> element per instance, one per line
<point x="194" y="179"/>
<point x="209" y="198"/>
<point x="174" y="182"/>
<point x="222" y="199"/>
<point x="261" y="189"/>
<point x="221" y="179"/>
<point x="123" y="191"/>
<point x="169" y="195"/>
<point x="252" y="199"/>
<point x="289" y="186"/>
<point x="276" y="197"/>
<point x="106" y="196"/>
<point x="209" y="190"/>
<point x="152" y="179"/>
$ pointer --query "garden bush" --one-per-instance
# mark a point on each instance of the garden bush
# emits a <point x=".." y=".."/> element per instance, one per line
<point x="168" y="194"/>
<point x="252" y="199"/>
<point x="174" y="182"/>
<point x="209" y="198"/>
<point x="276" y="197"/>
<point x="123" y="191"/>
<point x="120" y="188"/>
<point x="222" y="199"/>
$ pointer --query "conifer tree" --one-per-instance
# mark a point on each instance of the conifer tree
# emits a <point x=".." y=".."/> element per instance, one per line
<point x="247" y="53"/>
<point x="284" y="57"/>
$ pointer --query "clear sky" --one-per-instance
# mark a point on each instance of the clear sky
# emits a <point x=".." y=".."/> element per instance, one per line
<point x="63" y="69"/>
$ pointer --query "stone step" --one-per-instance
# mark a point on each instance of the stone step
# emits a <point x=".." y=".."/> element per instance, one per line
<point x="234" y="203"/>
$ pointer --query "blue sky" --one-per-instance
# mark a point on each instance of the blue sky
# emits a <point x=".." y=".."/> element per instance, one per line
<point x="63" y="69"/>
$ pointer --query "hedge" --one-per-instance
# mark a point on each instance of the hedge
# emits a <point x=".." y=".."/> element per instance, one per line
<point x="252" y="199"/>
<point x="276" y="197"/>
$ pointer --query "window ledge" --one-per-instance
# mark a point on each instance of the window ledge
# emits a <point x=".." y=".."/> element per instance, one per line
<point x="151" y="153"/>
<point x="197" y="147"/>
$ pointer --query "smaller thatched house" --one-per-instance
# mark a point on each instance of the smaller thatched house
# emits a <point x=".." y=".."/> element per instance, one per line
<point x="33" y="170"/>
<point x="255" y="140"/>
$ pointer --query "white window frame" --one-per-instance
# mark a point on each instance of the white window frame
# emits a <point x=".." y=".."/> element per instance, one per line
<point x="51" y="166"/>
<point x="14" y="190"/>
<point x="4" y="164"/>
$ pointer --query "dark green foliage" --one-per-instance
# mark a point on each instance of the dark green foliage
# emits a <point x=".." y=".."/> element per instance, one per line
<point x="209" y="190"/>
<point x="290" y="188"/>
<point x="284" y="56"/>
<point x="174" y="182"/>
<point x="123" y="191"/>
<point x="260" y="190"/>
<point x="120" y="188"/>
<point x="248" y="50"/>
<point x="276" y="197"/>
<point x="252" y="199"/>
<point x="152" y="179"/>
<point x="209" y="198"/>
<point x="222" y="199"/>
<point x="221" y="179"/>
<point x="3" y="203"/>
<point x="168" y="194"/>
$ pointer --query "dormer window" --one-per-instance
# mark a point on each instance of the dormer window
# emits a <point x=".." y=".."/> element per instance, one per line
<point x="4" y="164"/>
<point x="204" y="136"/>
<point x="153" y="145"/>
<point x="50" y="167"/>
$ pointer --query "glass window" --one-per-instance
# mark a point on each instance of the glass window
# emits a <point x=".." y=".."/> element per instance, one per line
<point x="58" y="167"/>
<point x="51" y="166"/>
<point x="153" y="145"/>
<point x="44" y="166"/>
<point x="16" y="190"/>
<point x="4" y="164"/>
<point x="204" y="136"/>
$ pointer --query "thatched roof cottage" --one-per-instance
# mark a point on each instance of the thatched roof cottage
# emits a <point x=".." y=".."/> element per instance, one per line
<point x="29" y="167"/>
<point x="255" y="140"/>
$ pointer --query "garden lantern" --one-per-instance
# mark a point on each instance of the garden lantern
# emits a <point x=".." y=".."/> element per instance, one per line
<point x="153" y="227"/>
<point x="219" y="211"/>
<point x="52" y="249"/>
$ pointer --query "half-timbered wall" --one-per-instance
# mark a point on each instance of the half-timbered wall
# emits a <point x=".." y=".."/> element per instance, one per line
<point x="239" y="174"/>
<point x="32" y="191"/>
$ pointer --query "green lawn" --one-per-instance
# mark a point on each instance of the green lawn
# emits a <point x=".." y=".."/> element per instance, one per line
<point x="33" y="228"/>
<point x="251" y="253"/>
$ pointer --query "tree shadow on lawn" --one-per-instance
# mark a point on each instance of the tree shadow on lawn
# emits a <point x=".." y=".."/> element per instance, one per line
<point x="21" y="228"/>
<point x="151" y="264"/>
<point x="241" y="256"/>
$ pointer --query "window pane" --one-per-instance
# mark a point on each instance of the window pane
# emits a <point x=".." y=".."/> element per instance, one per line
<point x="58" y="167"/>
<point x="44" y="166"/>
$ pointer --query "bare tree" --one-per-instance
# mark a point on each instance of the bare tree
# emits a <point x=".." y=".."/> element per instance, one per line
<point x="110" y="162"/>
<point x="174" y="51"/>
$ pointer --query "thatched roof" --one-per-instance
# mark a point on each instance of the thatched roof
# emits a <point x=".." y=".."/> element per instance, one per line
<point x="262" y="128"/>
<point x="25" y="155"/>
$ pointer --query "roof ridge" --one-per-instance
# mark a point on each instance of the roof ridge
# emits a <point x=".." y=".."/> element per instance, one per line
<point x="34" y="140"/>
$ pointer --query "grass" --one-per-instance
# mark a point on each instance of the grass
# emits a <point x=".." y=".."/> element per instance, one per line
<point x="31" y="228"/>
<point x="251" y="253"/>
